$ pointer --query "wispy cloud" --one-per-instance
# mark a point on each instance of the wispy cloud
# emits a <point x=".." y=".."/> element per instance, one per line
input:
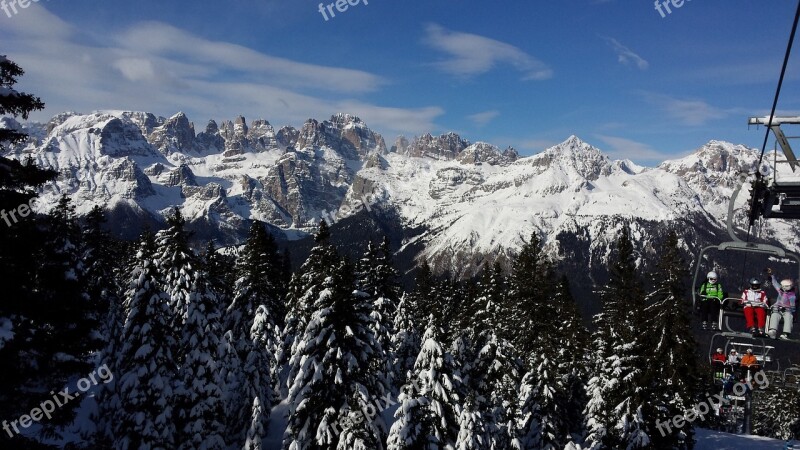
<point x="623" y="148"/>
<point x="688" y="111"/>
<point x="156" y="67"/>
<point x="471" y="54"/>
<point x="482" y="118"/>
<point x="625" y="55"/>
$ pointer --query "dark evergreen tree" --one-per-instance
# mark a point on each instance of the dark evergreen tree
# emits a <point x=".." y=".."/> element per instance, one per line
<point x="304" y="289"/>
<point x="330" y="372"/>
<point x="673" y="380"/>
<point x="177" y="265"/>
<point x="257" y="382"/>
<point x="14" y="103"/>
<point x="145" y="367"/>
<point x="220" y="269"/>
<point x="405" y="343"/>
<point x="200" y="411"/>
<point x="434" y="385"/>
<point x="614" y="412"/>
<point x="573" y="351"/>
<point x="532" y="283"/>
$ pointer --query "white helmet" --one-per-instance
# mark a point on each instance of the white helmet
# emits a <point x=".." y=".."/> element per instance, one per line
<point x="719" y="350"/>
<point x="787" y="284"/>
<point x="712" y="276"/>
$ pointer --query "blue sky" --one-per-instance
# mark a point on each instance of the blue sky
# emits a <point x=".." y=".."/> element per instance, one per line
<point x="521" y="73"/>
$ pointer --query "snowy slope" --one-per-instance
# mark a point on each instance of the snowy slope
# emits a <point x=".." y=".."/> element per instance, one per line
<point x="717" y="440"/>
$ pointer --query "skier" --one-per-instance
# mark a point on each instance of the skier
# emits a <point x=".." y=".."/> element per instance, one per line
<point x="718" y="361"/>
<point x="749" y="364"/>
<point x="755" y="306"/>
<point x="733" y="358"/>
<point x="711" y="295"/>
<point x="718" y="356"/>
<point x="749" y="360"/>
<point x="784" y="308"/>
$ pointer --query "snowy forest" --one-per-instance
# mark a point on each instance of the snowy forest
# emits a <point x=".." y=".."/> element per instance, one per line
<point x="210" y="349"/>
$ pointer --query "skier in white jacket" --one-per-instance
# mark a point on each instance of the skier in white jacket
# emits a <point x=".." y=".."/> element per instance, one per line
<point x="784" y="307"/>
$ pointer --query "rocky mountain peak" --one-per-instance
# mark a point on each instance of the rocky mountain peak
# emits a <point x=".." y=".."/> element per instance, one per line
<point x="175" y="135"/>
<point x="446" y="146"/>
<point x="575" y="156"/>
<point x="481" y="152"/>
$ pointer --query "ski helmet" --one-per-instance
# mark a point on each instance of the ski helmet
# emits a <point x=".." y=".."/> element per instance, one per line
<point x="787" y="285"/>
<point x="719" y="350"/>
<point x="755" y="283"/>
<point x="712" y="276"/>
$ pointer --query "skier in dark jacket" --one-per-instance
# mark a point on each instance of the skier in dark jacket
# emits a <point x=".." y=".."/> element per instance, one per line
<point x="711" y="296"/>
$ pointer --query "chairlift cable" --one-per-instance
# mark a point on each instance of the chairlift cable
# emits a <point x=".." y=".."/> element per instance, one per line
<point x="775" y="103"/>
<point x="780" y="85"/>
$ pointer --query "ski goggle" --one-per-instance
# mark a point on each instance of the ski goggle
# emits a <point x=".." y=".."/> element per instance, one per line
<point x="713" y="280"/>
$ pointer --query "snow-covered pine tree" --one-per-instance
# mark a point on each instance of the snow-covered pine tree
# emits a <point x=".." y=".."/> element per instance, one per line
<point x="304" y="290"/>
<point x="420" y="301"/>
<point x="258" y="282"/>
<point x="145" y="369"/>
<point x="614" y="414"/>
<point x="256" y="380"/>
<point x="673" y="377"/>
<point x="473" y="433"/>
<point x="255" y="288"/>
<point x="531" y="285"/>
<point x="176" y="263"/>
<point x="376" y="277"/>
<point x="543" y="399"/>
<point x="492" y="383"/>
<point x="491" y="302"/>
<point x="200" y="411"/>
<point x="413" y="425"/>
<point x="776" y="412"/>
<point x="331" y="368"/>
<point x="219" y="268"/>
<point x="435" y="385"/>
<point x="573" y="352"/>
<point x="405" y="343"/>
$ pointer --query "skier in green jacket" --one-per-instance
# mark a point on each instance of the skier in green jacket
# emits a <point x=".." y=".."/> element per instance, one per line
<point x="711" y="295"/>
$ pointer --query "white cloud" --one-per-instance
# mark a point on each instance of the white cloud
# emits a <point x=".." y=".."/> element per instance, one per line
<point x="483" y="118"/>
<point x="687" y="111"/>
<point x="471" y="54"/>
<point x="161" y="69"/>
<point x="625" y="55"/>
<point x="623" y="148"/>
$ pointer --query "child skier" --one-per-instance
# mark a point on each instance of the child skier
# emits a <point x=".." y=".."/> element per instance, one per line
<point x="711" y="296"/>
<point x="755" y="307"/>
<point x="784" y="308"/>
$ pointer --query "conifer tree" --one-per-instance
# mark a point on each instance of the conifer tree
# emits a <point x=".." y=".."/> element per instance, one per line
<point x="145" y="367"/>
<point x="176" y="262"/>
<point x="200" y="408"/>
<point x="672" y="381"/>
<point x="572" y="356"/>
<point x="543" y="403"/>
<point x="377" y="278"/>
<point x="330" y="372"/>
<point x="405" y="342"/>
<point x="614" y="412"/>
<point x="255" y="301"/>
<point x="257" y="382"/>
<point x="531" y="285"/>
<point x="434" y="385"/>
<point x="305" y="288"/>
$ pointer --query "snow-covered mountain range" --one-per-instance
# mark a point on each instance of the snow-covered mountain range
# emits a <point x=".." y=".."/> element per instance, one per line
<point x="460" y="204"/>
